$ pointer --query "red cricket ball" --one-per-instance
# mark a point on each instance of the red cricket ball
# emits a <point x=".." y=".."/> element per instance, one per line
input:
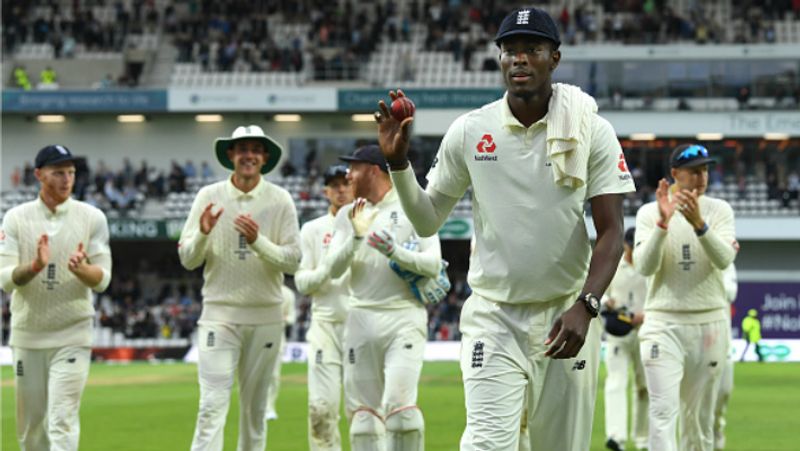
<point x="402" y="107"/>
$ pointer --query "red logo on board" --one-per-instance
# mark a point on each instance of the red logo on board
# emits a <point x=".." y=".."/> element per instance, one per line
<point x="486" y="144"/>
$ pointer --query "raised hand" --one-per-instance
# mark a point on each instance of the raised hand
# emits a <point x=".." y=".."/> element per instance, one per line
<point x="393" y="135"/>
<point x="361" y="219"/>
<point x="42" y="253"/>
<point x="666" y="206"/>
<point x="77" y="259"/>
<point x="208" y="220"/>
<point x="689" y="207"/>
<point x="245" y="225"/>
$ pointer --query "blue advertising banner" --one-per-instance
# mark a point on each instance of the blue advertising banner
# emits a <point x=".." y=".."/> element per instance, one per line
<point x="367" y="99"/>
<point x="777" y="304"/>
<point x="116" y="101"/>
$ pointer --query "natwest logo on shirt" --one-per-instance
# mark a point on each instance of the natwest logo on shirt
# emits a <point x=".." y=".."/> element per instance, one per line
<point x="326" y="240"/>
<point x="622" y="165"/>
<point x="486" y="146"/>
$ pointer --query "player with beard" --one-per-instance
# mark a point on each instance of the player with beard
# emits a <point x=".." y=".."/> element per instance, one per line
<point x="386" y="326"/>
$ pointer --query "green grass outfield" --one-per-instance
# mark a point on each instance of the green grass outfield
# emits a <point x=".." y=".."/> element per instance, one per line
<point x="142" y="407"/>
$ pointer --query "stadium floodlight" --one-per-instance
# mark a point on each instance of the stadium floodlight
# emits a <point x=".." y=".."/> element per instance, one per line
<point x="287" y="118"/>
<point x="363" y="118"/>
<point x="51" y="118"/>
<point x="208" y="118"/>
<point x="709" y="136"/>
<point x="642" y="136"/>
<point x="776" y="136"/>
<point x="130" y="118"/>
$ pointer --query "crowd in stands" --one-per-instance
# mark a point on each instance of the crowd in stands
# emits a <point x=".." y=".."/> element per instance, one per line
<point x="65" y="29"/>
<point x="335" y="39"/>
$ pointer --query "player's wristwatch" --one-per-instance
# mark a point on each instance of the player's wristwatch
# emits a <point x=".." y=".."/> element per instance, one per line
<point x="591" y="302"/>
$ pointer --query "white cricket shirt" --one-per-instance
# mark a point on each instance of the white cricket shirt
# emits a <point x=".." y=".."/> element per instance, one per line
<point x="628" y="288"/>
<point x="242" y="282"/>
<point x="685" y="271"/>
<point x="55" y="308"/>
<point x="531" y="239"/>
<point x="329" y="296"/>
<point x="373" y="284"/>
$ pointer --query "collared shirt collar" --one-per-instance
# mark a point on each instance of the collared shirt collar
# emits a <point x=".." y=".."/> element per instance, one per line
<point x="390" y="196"/>
<point x="511" y="121"/>
<point x="61" y="209"/>
<point x="254" y="193"/>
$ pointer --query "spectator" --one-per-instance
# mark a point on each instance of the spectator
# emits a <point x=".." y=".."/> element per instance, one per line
<point x="21" y="79"/>
<point x="206" y="171"/>
<point x="189" y="169"/>
<point x="743" y="97"/>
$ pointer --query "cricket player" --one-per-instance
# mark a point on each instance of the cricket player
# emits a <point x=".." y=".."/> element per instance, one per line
<point x="245" y="231"/>
<point x="53" y="253"/>
<point x="328" y="314"/>
<point x="533" y="158"/>
<point x="684" y="241"/>
<point x="625" y="294"/>
<point x="289" y="314"/>
<point x="731" y="282"/>
<point x="386" y="327"/>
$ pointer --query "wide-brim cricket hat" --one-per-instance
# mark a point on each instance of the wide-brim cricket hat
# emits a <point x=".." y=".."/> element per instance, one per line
<point x="528" y="21"/>
<point x="274" y="150"/>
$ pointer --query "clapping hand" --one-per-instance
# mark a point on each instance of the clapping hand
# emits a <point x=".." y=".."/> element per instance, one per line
<point x="360" y="218"/>
<point x="208" y="220"/>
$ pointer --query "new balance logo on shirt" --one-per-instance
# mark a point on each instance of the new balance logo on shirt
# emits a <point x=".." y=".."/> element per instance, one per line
<point x="579" y="365"/>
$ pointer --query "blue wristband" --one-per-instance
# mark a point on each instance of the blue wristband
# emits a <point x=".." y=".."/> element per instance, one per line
<point x="702" y="231"/>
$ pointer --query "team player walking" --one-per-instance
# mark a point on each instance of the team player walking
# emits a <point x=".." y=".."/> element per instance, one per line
<point x="530" y="341"/>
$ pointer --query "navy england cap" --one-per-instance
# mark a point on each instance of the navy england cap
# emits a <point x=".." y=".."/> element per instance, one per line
<point x="528" y="21"/>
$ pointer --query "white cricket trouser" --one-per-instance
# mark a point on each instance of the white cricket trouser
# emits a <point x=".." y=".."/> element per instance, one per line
<point x="683" y="365"/>
<point x="224" y="349"/>
<point x="325" y="376"/>
<point x="723" y="396"/>
<point x="275" y="381"/>
<point x="49" y="385"/>
<point x="503" y="365"/>
<point x="622" y="355"/>
<point x="384" y="358"/>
